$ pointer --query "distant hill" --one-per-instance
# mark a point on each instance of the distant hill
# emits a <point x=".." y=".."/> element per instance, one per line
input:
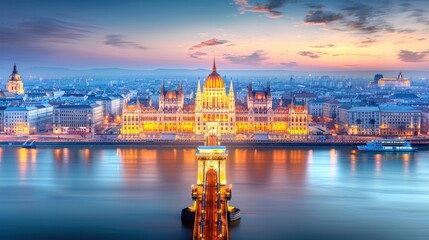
<point x="55" y="72"/>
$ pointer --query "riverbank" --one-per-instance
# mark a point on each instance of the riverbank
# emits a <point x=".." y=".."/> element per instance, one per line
<point x="178" y="143"/>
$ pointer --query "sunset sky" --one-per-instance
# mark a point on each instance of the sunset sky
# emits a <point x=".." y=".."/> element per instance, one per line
<point x="243" y="34"/>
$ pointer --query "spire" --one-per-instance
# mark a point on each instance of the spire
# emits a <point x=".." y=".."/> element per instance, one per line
<point x="199" y="87"/>
<point x="162" y="88"/>
<point x="214" y="63"/>
<point x="231" y="88"/>
<point x="400" y="76"/>
<point x="15" y="71"/>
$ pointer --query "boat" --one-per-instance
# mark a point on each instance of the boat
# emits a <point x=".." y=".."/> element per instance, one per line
<point x="29" y="144"/>
<point x="388" y="145"/>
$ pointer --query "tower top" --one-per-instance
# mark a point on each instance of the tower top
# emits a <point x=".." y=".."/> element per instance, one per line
<point x="15" y="70"/>
<point x="214" y="63"/>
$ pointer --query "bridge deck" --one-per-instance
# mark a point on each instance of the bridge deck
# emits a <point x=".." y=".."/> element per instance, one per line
<point x="211" y="228"/>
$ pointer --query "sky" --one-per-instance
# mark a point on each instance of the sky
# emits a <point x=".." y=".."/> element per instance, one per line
<point x="243" y="34"/>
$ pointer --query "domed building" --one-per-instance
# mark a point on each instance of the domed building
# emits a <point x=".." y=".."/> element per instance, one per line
<point x="15" y="85"/>
<point x="214" y="112"/>
<point x="214" y="108"/>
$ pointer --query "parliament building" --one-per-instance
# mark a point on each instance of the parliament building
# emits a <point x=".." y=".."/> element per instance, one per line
<point x="214" y="110"/>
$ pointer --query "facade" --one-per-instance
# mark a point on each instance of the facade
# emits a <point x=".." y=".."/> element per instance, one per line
<point x="214" y="109"/>
<point x="298" y="119"/>
<point x="24" y="120"/>
<point x="400" y="121"/>
<point x="111" y="105"/>
<point x="77" y="119"/>
<point x="15" y="85"/>
<point x="315" y="108"/>
<point x="399" y="82"/>
<point x="382" y="120"/>
<point x="330" y="109"/>
<point x="363" y="120"/>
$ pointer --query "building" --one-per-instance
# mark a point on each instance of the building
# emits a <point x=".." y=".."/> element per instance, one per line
<point x="399" y="82"/>
<point x="131" y="120"/>
<point x="2" y="108"/>
<point x="15" y="85"/>
<point x="363" y="121"/>
<point x="77" y="119"/>
<point x="315" y="108"/>
<point x="298" y="119"/>
<point x="214" y="109"/>
<point x="400" y="121"/>
<point x="25" y="120"/>
<point x="330" y="109"/>
<point x="382" y="120"/>
<point x="111" y="105"/>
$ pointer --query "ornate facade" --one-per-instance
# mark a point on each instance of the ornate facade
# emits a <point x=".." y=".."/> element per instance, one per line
<point x="214" y="109"/>
<point x="399" y="82"/>
<point x="15" y="85"/>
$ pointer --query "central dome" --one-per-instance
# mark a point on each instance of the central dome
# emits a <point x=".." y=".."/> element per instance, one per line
<point x="214" y="80"/>
<point x="15" y="75"/>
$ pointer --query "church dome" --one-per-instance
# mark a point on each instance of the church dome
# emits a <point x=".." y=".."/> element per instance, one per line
<point x="214" y="80"/>
<point x="15" y="75"/>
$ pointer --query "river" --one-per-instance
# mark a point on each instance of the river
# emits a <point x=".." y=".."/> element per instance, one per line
<point x="283" y="193"/>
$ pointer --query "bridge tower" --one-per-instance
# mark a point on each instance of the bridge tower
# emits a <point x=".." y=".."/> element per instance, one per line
<point x="211" y="211"/>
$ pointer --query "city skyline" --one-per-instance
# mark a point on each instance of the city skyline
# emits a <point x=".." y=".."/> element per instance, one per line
<point x="260" y="35"/>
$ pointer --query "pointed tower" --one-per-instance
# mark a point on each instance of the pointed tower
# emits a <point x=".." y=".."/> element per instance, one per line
<point x="249" y="96"/>
<point x="269" y="97"/>
<point x="198" y="97"/>
<point x="15" y="85"/>
<point x="162" y="96"/>
<point x="181" y="96"/>
<point x="231" y="97"/>
<point x="214" y="64"/>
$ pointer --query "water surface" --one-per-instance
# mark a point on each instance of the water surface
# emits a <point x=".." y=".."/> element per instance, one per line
<point x="138" y="193"/>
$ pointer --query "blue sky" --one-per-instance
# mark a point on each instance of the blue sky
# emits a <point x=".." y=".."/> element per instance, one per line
<point x="244" y="34"/>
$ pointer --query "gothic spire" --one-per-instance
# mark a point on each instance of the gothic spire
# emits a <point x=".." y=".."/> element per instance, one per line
<point x="231" y="88"/>
<point x="15" y="71"/>
<point x="199" y="87"/>
<point x="214" y="63"/>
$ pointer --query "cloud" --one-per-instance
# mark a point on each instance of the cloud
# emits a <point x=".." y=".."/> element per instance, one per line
<point x="210" y="42"/>
<point x="289" y="64"/>
<point x="365" y="18"/>
<point x="362" y="17"/>
<point x="410" y="56"/>
<point x="309" y="54"/>
<point x="368" y="41"/>
<point x="323" y="46"/>
<point x="406" y="30"/>
<point x="32" y="39"/>
<point x="420" y="16"/>
<point x="242" y="5"/>
<point x="197" y="55"/>
<point x="322" y="17"/>
<point x="271" y="7"/>
<point x="44" y="30"/>
<point x="253" y="59"/>
<point x="118" y="41"/>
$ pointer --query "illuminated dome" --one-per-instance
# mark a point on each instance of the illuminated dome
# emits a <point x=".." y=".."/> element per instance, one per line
<point x="171" y="95"/>
<point x="15" y="75"/>
<point x="214" y="80"/>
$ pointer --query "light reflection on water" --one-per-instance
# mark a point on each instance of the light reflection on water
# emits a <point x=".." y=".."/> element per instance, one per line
<point x="138" y="193"/>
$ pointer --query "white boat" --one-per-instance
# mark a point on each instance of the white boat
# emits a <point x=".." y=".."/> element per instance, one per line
<point x="388" y="145"/>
